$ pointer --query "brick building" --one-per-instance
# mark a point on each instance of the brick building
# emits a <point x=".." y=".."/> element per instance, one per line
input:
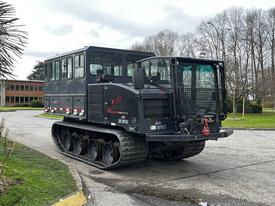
<point x="20" y="92"/>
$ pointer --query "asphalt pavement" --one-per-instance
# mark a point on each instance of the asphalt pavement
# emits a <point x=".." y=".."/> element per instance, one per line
<point x="238" y="170"/>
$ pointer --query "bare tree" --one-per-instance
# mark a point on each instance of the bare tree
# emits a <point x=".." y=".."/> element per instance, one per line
<point x="186" y="45"/>
<point x="12" y="39"/>
<point x="162" y="43"/>
<point x="270" y="18"/>
<point x="243" y="39"/>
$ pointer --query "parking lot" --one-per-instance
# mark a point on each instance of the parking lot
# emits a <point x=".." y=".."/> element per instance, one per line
<point x="239" y="170"/>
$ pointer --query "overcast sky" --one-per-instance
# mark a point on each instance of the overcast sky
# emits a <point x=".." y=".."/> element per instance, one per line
<point x="57" y="26"/>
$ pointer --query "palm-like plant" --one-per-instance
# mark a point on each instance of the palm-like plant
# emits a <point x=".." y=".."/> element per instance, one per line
<point x="12" y="40"/>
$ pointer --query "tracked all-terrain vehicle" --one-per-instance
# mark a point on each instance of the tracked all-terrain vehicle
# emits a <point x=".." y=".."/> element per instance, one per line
<point x="122" y="106"/>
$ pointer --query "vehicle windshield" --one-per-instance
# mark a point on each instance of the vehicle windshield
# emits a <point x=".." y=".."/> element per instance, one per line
<point x="157" y="71"/>
<point x="197" y="88"/>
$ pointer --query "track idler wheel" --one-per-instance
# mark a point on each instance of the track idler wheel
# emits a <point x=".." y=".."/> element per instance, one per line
<point x="66" y="139"/>
<point x="109" y="153"/>
<point x="93" y="149"/>
<point x="78" y="144"/>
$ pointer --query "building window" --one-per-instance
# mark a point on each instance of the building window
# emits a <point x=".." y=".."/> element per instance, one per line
<point x="26" y="100"/>
<point x="16" y="99"/>
<point x="12" y="87"/>
<point x="26" y="87"/>
<point x="7" y="100"/>
<point x="17" y="87"/>
<point x="31" y="98"/>
<point x="21" y="100"/>
<point x="31" y="88"/>
<point x="11" y="99"/>
<point x="40" y="88"/>
<point x="35" y="88"/>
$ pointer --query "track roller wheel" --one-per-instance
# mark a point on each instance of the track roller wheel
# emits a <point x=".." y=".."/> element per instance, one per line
<point x="78" y="144"/>
<point x="93" y="149"/>
<point x="109" y="153"/>
<point x="66" y="139"/>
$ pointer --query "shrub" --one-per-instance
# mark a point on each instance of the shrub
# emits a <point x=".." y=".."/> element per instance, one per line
<point x="269" y="105"/>
<point x="249" y="106"/>
<point x="22" y="105"/>
<point x="256" y="108"/>
<point x="37" y="103"/>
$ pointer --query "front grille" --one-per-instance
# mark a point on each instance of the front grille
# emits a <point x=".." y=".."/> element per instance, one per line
<point x="156" y="108"/>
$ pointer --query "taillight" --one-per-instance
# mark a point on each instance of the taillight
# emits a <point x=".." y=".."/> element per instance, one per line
<point x="82" y="112"/>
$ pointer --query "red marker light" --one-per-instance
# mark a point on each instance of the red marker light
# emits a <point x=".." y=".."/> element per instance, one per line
<point x="205" y="130"/>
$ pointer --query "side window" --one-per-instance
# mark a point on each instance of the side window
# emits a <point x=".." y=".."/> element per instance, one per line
<point x="49" y="70"/>
<point x="64" y="68"/>
<point x="154" y="67"/>
<point x="57" y="70"/>
<point x="145" y="66"/>
<point x="108" y="69"/>
<point x="70" y="68"/>
<point x="67" y="68"/>
<point x="52" y="71"/>
<point x="130" y="70"/>
<point x="76" y="61"/>
<point x="118" y="70"/>
<point x="81" y="60"/>
<point x="79" y="66"/>
<point x="94" y="68"/>
<point x="160" y="69"/>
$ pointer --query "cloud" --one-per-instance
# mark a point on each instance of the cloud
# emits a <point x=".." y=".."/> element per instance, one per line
<point x="165" y="17"/>
<point x="59" y="29"/>
<point x="94" y="33"/>
<point x="38" y="54"/>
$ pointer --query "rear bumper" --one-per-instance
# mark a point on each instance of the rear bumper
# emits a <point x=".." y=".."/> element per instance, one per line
<point x="186" y="137"/>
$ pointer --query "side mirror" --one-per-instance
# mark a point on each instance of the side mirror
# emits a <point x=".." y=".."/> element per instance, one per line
<point x="138" y="79"/>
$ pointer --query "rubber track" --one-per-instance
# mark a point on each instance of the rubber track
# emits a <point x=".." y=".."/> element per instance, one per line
<point x="133" y="148"/>
<point x="189" y="149"/>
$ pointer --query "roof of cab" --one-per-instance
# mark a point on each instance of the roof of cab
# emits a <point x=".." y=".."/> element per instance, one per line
<point x="83" y="49"/>
<point x="181" y="58"/>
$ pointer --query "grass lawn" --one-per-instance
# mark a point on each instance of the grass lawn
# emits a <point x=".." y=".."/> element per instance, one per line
<point x="47" y="115"/>
<point x="41" y="179"/>
<point x="264" y="120"/>
<point x="4" y="109"/>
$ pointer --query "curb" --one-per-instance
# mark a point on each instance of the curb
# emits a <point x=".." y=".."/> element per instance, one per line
<point x="77" y="178"/>
<point x="52" y="118"/>
<point x="79" y="198"/>
<point x="9" y="111"/>
<point x="255" y="129"/>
